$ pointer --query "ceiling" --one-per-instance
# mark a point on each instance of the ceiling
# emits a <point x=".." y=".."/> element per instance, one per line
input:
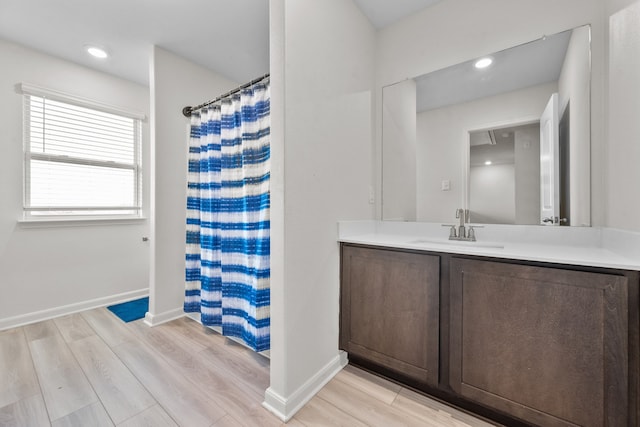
<point x="230" y="37"/>
<point x="498" y="145"/>
<point x="527" y="65"/>
<point x="203" y="31"/>
<point x="383" y="13"/>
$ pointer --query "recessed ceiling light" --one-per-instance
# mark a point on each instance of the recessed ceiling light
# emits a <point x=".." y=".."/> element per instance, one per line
<point x="97" y="52"/>
<point x="483" y="62"/>
<point x="488" y="162"/>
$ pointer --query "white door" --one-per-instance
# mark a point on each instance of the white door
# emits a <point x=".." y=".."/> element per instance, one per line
<point x="549" y="164"/>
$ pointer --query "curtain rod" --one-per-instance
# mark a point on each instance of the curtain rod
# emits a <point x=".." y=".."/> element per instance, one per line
<point x="186" y="111"/>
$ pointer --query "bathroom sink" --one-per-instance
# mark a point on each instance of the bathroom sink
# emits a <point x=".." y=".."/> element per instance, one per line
<point x="460" y="243"/>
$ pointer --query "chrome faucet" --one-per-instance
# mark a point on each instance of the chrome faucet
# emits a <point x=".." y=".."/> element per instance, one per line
<point x="462" y="215"/>
<point x="464" y="233"/>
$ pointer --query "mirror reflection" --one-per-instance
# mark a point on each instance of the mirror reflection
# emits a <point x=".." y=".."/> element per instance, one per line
<point x="510" y="141"/>
<point x="504" y="171"/>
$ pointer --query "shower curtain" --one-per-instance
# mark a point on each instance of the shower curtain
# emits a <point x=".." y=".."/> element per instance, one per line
<point x="228" y="242"/>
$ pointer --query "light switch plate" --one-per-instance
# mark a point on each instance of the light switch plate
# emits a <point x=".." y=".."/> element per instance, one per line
<point x="445" y="185"/>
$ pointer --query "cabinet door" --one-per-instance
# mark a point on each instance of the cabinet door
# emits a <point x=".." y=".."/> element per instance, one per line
<point x="389" y="310"/>
<point x="546" y="345"/>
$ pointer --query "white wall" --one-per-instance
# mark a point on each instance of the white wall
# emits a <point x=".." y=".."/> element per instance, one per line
<point x="47" y="270"/>
<point x="175" y="83"/>
<point x="527" y="175"/>
<point x="614" y="6"/>
<point x="492" y="194"/>
<point x="450" y="32"/>
<point x="623" y="201"/>
<point x="322" y="55"/>
<point x="399" y="152"/>
<point x="443" y="144"/>
<point x="573" y="85"/>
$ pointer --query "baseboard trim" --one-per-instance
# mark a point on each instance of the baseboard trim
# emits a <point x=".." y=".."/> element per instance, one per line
<point x="286" y="407"/>
<point x="39" y="316"/>
<point x="160" y="318"/>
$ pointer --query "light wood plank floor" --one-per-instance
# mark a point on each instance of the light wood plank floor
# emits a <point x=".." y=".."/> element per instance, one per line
<point x="91" y="369"/>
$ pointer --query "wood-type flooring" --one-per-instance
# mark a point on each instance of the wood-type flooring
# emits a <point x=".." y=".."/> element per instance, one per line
<point x="91" y="369"/>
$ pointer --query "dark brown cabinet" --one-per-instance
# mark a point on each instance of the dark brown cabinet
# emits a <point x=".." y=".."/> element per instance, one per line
<point x="519" y="342"/>
<point x="389" y="310"/>
<point x="547" y="345"/>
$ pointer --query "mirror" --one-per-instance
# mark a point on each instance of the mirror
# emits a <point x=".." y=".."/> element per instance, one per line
<point x="510" y="141"/>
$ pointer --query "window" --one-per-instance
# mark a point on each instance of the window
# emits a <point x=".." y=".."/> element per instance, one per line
<point x="79" y="160"/>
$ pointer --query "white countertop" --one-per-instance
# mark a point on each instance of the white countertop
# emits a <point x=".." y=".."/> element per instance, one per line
<point x="585" y="246"/>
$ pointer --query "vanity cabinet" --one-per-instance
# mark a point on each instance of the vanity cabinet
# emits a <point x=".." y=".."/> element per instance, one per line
<point x="522" y="343"/>
<point x="389" y="310"/>
<point x="547" y="345"/>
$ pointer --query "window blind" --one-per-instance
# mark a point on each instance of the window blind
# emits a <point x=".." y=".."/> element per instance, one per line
<point x="79" y="160"/>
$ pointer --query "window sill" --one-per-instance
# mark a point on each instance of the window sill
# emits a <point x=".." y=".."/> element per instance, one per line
<point x="78" y="221"/>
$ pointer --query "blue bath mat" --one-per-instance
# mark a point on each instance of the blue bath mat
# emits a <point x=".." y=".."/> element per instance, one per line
<point x="131" y="310"/>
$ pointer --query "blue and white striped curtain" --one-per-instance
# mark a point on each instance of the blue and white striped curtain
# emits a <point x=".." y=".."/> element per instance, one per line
<point x="227" y="253"/>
